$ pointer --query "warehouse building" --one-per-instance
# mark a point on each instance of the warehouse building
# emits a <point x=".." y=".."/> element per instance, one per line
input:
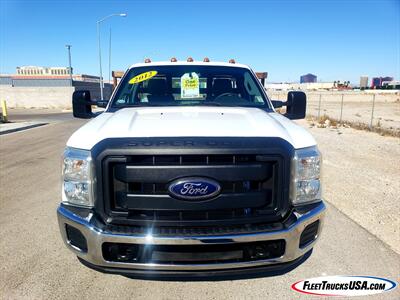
<point x="47" y="71"/>
<point x="47" y="87"/>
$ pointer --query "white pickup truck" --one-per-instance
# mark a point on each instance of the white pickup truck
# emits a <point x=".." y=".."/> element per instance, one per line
<point x="190" y="171"/>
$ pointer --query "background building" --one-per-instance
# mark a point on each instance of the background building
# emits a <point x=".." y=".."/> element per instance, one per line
<point x="391" y="85"/>
<point x="377" y="82"/>
<point x="34" y="86"/>
<point x="363" y="82"/>
<point x="262" y="76"/>
<point x="387" y="79"/>
<point x="45" y="71"/>
<point x="311" y="86"/>
<point x="308" y="78"/>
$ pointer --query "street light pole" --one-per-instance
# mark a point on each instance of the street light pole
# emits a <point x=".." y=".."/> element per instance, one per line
<point x="109" y="59"/>
<point x="98" y="37"/>
<point x="101" y="72"/>
<point x="69" y="60"/>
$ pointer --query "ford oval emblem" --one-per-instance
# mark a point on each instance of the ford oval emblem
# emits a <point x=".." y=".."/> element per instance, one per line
<point x="194" y="188"/>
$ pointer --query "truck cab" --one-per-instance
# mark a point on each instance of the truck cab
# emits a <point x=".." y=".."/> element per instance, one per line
<point x="190" y="171"/>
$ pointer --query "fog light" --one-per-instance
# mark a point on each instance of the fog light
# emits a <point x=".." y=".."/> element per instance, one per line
<point x="120" y="252"/>
<point x="260" y="252"/>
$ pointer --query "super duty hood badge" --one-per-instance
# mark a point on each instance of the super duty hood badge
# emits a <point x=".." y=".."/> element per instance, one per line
<point x="194" y="188"/>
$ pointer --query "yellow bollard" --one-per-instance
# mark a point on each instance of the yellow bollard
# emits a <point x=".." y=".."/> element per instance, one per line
<point x="4" y="111"/>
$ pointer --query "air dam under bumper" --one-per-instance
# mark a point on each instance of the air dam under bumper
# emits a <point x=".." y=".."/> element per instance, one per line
<point x="96" y="237"/>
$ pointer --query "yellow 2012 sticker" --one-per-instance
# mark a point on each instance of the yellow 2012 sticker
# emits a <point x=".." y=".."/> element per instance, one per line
<point x="143" y="77"/>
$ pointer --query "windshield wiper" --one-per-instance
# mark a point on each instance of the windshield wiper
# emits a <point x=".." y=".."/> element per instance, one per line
<point x="140" y="105"/>
<point x="209" y="103"/>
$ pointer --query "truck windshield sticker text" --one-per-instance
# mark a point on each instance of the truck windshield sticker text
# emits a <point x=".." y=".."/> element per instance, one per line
<point x="143" y="77"/>
<point x="190" y="87"/>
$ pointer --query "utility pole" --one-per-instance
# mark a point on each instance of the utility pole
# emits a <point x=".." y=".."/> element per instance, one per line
<point x="109" y="59"/>
<point x="69" y="60"/>
<point x="98" y="37"/>
<point x="101" y="72"/>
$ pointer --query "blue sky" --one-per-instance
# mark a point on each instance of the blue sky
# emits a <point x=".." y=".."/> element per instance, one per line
<point x="332" y="39"/>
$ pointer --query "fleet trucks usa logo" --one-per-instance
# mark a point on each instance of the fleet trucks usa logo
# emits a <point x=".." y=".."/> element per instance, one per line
<point x="344" y="286"/>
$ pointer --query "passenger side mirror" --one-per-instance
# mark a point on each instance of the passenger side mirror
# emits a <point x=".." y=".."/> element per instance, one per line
<point x="296" y="105"/>
<point x="277" y="103"/>
<point x="82" y="105"/>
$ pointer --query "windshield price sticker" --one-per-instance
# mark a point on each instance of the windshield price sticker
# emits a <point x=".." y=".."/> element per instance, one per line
<point x="143" y="77"/>
<point x="190" y="87"/>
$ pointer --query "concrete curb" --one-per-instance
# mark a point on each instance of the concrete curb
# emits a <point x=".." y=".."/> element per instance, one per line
<point x="21" y="128"/>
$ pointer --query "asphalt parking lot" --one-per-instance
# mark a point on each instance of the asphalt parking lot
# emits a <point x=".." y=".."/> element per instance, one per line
<point x="36" y="264"/>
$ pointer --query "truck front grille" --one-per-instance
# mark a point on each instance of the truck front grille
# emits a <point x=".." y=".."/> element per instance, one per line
<point x="136" y="189"/>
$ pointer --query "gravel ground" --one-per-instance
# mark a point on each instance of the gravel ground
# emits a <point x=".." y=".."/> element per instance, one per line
<point x="357" y="106"/>
<point x="361" y="175"/>
<point x="386" y="115"/>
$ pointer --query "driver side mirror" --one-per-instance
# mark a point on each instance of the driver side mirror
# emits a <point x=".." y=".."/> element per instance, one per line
<point x="82" y="105"/>
<point x="295" y="105"/>
<point x="102" y="103"/>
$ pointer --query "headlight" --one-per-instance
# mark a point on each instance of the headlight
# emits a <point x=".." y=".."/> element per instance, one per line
<point x="305" y="184"/>
<point x="77" y="173"/>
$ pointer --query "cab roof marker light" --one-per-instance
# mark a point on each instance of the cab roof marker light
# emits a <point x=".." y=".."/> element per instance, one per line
<point x="173" y="59"/>
<point x="190" y="59"/>
<point x="206" y="59"/>
<point x="232" y="61"/>
<point x="147" y="60"/>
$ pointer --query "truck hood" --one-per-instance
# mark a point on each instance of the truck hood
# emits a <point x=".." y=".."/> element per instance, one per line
<point x="189" y="122"/>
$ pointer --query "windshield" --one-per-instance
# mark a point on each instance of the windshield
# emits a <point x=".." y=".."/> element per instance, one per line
<point x="187" y="85"/>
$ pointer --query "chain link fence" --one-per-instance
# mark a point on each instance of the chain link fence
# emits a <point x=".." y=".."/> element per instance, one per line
<point x="375" y="109"/>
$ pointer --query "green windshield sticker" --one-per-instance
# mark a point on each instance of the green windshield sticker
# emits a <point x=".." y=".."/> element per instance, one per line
<point x="142" y="77"/>
<point x="190" y="87"/>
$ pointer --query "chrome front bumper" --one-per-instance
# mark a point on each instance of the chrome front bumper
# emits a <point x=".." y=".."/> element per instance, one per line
<point x="95" y="237"/>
